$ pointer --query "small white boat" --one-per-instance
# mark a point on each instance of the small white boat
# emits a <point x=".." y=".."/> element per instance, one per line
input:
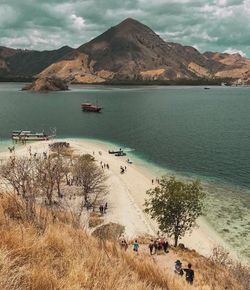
<point x="129" y="161"/>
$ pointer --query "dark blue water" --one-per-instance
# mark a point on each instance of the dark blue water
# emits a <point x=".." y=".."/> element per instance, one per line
<point x="187" y="129"/>
<point x="192" y="131"/>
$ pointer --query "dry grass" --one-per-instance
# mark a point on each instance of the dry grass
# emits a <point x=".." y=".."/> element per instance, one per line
<point x="64" y="257"/>
<point x="213" y="275"/>
<point x="95" y="221"/>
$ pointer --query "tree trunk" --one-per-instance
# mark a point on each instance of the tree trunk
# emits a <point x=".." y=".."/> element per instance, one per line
<point x="176" y="237"/>
<point x="58" y="189"/>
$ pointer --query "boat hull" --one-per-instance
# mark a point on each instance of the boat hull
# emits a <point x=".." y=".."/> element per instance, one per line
<point x="88" y="107"/>
<point x="97" y="110"/>
<point x="31" y="138"/>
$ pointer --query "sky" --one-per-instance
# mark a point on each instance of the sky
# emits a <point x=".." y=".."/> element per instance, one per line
<point x="212" y="25"/>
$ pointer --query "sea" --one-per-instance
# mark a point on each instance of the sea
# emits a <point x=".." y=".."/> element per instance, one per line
<point x="186" y="131"/>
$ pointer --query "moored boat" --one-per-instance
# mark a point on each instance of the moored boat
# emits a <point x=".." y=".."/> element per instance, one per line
<point x="120" y="153"/>
<point x="21" y="135"/>
<point x="115" y="151"/>
<point x="90" y="107"/>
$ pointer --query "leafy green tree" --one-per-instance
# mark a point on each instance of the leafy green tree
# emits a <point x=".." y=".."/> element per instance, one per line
<point x="175" y="205"/>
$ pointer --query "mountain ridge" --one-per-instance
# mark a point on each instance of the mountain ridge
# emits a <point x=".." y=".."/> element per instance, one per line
<point x="130" y="51"/>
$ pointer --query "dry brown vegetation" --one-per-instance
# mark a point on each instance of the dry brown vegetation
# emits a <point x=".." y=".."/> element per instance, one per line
<point x="55" y="253"/>
<point x="63" y="256"/>
<point x="219" y="272"/>
<point x="43" y="246"/>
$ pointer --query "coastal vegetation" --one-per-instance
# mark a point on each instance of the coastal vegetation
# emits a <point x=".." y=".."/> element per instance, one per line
<point x="175" y="205"/>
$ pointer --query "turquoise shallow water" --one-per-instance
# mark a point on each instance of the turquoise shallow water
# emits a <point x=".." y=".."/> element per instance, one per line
<point x="187" y="131"/>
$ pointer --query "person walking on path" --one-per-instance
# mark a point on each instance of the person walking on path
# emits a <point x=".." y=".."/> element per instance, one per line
<point x="156" y="246"/>
<point x="189" y="274"/>
<point x="136" y="246"/>
<point x="165" y="246"/>
<point x="151" y="247"/>
<point x="178" y="268"/>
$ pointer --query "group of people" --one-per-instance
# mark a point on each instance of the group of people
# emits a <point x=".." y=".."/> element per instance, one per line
<point x="189" y="272"/>
<point x="158" y="245"/>
<point x="124" y="244"/>
<point x="103" y="208"/>
<point x="157" y="181"/>
<point x="123" y="169"/>
<point x="104" y="165"/>
<point x="11" y="149"/>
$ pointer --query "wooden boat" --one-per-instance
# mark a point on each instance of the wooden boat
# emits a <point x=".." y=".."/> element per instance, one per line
<point x="115" y="152"/>
<point x="90" y="107"/>
<point x="120" y="153"/>
<point x="29" y="136"/>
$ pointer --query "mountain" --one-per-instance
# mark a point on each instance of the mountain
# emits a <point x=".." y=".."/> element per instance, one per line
<point x="132" y="51"/>
<point x="235" y="66"/>
<point x="21" y="64"/>
<point x="127" y="52"/>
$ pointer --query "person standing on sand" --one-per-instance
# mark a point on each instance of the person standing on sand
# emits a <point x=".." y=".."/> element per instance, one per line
<point x="136" y="246"/>
<point x="189" y="274"/>
<point x="101" y="209"/>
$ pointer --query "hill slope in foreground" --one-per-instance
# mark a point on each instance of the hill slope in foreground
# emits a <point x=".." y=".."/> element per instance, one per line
<point x="50" y="251"/>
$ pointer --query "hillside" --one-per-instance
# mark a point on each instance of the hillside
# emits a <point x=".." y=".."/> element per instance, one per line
<point x="132" y="51"/>
<point x="50" y="251"/>
<point x="18" y="63"/>
<point x="235" y="66"/>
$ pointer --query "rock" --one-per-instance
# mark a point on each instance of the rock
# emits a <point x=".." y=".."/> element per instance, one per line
<point x="47" y="84"/>
<point x="110" y="231"/>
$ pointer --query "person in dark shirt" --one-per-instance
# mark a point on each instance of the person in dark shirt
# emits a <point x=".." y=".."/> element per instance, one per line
<point x="178" y="268"/>
<point x="151" y="247"/>
<point x="189" y="274"/>
<point x="165" y="246"/>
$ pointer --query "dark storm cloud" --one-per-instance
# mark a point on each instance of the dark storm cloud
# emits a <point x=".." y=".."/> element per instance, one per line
<point x="209" y="25"/>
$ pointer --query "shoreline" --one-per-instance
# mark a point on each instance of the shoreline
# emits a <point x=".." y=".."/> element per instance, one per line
<point x="127" y="194"/>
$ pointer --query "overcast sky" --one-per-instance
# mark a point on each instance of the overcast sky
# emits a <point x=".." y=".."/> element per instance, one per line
<point x="215" y="25"/>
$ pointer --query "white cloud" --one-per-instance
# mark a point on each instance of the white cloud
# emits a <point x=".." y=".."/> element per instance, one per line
<point x="234" y="51"/>
<point x="214" y="25"/>
<point x="77" y="21"/>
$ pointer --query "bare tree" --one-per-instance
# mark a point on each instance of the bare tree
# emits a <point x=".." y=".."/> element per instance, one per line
<point x="19" y="173"/>
<point x="46" y="177"/>
<point x="92" y="180"/>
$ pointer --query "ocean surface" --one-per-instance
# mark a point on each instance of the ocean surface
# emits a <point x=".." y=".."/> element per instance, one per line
<point x="186" y="131"/>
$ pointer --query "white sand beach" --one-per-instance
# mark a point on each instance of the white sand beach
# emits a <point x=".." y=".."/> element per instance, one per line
<point x="127" y="193"/>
